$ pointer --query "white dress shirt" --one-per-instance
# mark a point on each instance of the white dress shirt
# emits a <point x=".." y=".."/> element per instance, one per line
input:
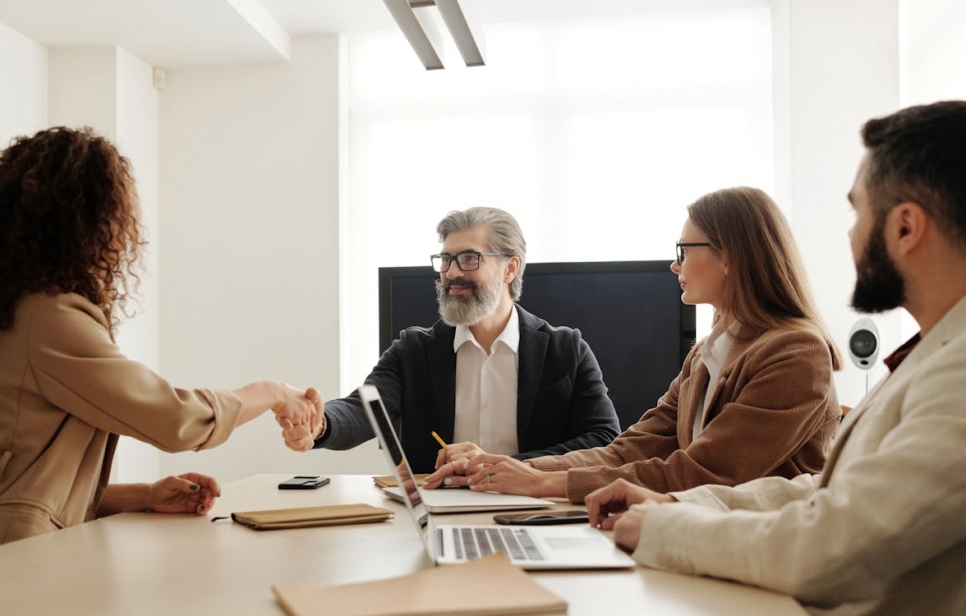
<point x="486" y="389"/>
<point x="713" y="353"/>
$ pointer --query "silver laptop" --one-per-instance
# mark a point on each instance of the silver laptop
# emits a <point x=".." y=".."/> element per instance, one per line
<point x="463" y="501"/>
<point x="575" y="546"/>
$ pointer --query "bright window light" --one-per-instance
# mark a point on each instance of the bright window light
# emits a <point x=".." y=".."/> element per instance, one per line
<point x="596" y="135"/>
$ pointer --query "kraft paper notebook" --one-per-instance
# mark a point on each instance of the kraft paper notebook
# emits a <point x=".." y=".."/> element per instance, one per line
<point x="452" y="591"/>
<point x="302" y="517"/>
<point x="388" y="481"/>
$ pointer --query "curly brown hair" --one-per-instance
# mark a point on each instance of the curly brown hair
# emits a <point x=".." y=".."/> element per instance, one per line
<point x="68" y="221"/>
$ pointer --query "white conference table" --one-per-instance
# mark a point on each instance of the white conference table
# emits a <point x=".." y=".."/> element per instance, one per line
<point x="154" y="564"/>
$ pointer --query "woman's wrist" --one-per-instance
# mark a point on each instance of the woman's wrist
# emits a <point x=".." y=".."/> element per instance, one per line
<point x="552" y="484"/>
<point x="125" y="497"/>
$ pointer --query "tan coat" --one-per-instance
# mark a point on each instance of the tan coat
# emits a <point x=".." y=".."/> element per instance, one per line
<point x="881" y="531"/>
<point x="66" y="392"/>
<point x="773" y="412"/>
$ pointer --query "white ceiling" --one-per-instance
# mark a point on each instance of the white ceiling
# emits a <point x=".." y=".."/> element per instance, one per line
<point x="172" y="33"/>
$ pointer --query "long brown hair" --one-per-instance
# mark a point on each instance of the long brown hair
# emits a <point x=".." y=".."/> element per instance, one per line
<point x="766" y="285"/>
<point x="68" y="221"/>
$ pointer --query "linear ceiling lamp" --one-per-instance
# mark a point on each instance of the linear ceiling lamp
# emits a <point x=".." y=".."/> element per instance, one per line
<point x="422" y="35"/>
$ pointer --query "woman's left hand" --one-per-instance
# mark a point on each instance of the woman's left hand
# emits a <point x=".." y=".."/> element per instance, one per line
<point x="627" y="528"/>
<point x="186" y="493"/>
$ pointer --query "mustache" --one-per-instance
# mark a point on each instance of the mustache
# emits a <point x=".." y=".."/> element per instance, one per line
<point x="459" y="282"/>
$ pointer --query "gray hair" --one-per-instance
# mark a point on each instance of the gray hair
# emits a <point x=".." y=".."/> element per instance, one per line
<point x="506" y="237"/>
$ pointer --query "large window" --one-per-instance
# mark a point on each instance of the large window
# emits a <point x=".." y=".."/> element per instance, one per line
<point x="594" y="134"/>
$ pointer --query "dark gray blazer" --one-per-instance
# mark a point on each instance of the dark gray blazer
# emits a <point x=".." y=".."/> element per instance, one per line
<point x="562" y="402"/>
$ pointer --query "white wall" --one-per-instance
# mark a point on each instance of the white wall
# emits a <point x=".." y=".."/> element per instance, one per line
<point x="838" y="66"/>
<point x="249" y="183"/>
<point x="137" y="138"/>
<point x="109" y="89"/>
<point x="23" y="85"/>
<point x="933" y="43"/>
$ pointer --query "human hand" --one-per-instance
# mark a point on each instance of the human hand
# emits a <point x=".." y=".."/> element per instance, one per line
<point x="448" y="474"/>
<point x="490" y="473"/>
<point x="457" y="452"/>
<point x="301" y="416"/>
<point x="606" y="505"/>
<point x="627" y="529"/>
<point x="187" y="493"/>
<point x="302" y="437"/>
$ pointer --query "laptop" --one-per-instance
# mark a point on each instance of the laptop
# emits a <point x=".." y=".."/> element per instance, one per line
<point x="462" y="501"/>
<point x="576" y="546"/>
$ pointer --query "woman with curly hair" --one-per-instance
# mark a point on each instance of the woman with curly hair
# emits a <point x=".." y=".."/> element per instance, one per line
<point x="70" y="250"/>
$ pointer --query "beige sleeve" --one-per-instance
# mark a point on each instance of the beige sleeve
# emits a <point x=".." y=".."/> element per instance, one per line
<point x="78" y="368"/>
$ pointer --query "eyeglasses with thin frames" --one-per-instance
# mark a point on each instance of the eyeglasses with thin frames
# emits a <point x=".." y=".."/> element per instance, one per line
<point x="682" y="253"/>
<point x="467" y="261"/>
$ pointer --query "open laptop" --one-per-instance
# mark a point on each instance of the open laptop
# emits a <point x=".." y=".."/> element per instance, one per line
<point x="463" y="501"/>
<point x="575" y="546"/>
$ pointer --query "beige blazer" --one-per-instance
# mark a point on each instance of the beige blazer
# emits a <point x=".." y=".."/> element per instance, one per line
<point x="66" y="392"/>
<point x="773" y="411"/>
<point x="881" y="531"/>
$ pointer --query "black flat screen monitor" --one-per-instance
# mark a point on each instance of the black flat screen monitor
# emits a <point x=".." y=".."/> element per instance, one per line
<point x="629" y="312"/>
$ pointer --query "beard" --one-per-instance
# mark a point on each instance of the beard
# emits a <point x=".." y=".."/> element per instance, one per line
<point x="457" y="310"/>
<point x="878" y="286"/>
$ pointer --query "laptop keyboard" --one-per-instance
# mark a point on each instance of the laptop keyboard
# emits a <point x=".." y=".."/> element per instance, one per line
<point x="474" y="542"/>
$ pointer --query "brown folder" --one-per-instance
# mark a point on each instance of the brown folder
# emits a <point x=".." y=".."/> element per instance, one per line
<point x="388" y="481"/>
<point x="450" y="590"/>
<point x="301" y="517"/>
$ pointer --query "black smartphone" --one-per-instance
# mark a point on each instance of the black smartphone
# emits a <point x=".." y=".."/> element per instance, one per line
<point x="303" y="482"/>
<point x="542" y="517"/>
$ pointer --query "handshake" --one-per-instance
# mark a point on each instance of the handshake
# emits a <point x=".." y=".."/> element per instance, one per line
<point x="301" y="417"/>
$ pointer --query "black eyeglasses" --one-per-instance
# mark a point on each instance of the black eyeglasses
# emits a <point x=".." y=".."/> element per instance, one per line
<point x="682" y="253"/>
<point x="467" y="261"/>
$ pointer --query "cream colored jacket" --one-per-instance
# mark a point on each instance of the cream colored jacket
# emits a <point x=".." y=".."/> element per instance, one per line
<point x="881" y="531"/>
<point x="66" y="392"/>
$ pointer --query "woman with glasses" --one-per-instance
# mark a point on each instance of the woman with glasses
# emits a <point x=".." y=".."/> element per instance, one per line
<point x="70" y="246"/>
<point x="754" y="398"/>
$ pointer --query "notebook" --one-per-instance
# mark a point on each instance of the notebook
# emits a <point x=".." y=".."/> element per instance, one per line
<point x="388" y="481"/>
<point x="575" y="546"/>
<point x="301" y="517"/>
<point x="438" y="591"/>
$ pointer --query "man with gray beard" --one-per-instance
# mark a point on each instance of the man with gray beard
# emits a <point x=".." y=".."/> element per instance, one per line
<point x="489" y="376"/>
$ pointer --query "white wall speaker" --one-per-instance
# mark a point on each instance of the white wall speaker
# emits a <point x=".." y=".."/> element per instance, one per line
<point x="864" y="343"/>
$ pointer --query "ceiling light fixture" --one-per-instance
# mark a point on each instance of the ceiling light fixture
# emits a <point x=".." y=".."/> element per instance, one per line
<point x="423" y="36"/>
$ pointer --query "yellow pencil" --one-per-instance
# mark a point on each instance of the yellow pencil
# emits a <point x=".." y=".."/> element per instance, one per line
<point x="441" y="442"/>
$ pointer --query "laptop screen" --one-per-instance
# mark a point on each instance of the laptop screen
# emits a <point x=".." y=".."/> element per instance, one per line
<point x="382" y="426"/>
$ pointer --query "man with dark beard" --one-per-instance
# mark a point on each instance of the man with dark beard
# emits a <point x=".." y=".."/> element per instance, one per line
<point x="882" y="530"/>
<point x="489" y="375"/>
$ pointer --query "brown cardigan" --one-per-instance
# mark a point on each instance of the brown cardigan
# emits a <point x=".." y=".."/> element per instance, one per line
<point x="66" y="392"/>
<point x="773" y="412"/>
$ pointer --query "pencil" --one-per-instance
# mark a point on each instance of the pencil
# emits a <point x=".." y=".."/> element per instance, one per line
<point x="441" y="442"/>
